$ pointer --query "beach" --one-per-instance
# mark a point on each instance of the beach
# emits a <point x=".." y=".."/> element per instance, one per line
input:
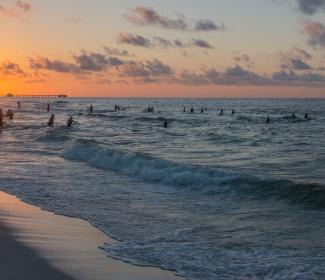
<point x="36" y="244"/>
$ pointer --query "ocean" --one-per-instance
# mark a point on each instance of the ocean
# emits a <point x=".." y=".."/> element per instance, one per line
<point x="211" y="196"/>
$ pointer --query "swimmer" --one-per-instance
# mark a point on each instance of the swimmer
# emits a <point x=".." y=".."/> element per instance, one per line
<point x="221" y="112"/>
<point x="48" y="107"/>
<point x="10" y="114"/>
<point x="268" y="119"/>
<point x="91" y="108"/>
<point x="51" y="120"/>
<point x="70" y="121"/>
<point x="1" y="118"/>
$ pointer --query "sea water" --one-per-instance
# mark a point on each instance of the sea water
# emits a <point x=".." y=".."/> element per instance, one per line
<point x="211" y="196"/>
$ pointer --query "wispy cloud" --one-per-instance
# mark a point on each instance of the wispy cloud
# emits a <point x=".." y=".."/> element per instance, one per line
<point x="310" y="7"/>
<point x="135" y="40"/>
<point x="10" y="68"/>
<point x="143" y="16"/>
<point x="17" y="11"/>
<point x="201" y="44"/>
<point x="25" y="6"/>
<point x="315" y="32"/>
<point x="84" y="62"/>
<point x="117" y="52"/>
<point x="43" y="63"/>
<point x="295" y="59"/>
<point x="208" y="25"/>
<point x="156" y="41"/>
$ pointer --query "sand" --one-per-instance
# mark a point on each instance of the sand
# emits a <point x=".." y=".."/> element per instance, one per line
<point x="37" y="244"/>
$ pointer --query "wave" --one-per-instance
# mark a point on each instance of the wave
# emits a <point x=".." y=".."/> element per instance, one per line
<point x="207" y="180"/>
<point x="101" y="115"/>
<point x="57" y="134"/>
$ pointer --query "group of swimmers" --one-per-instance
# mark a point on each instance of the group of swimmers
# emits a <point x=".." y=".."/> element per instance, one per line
<point x="9" y="115"/>
<point x="150" y="109"/>
<point x="204" y="109"/>
<point x="293" y="116"/>
<point x="70" y="121"/>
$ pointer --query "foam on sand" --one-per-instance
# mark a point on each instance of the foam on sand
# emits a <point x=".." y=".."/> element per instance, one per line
<point x="68" y="244"/>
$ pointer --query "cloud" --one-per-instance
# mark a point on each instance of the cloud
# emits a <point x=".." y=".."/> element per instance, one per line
<point x="148" y="68"/>
<point x="315" y="32"/>
<point x="5" y="11"/>
<point x="17" y="11"/>
<point x="95" y="62"/>
<point x="291" y="78"/>
<point x="9" y="68"/>
<point x="145" y="16"/>
<point x="244" y="59"/>
<point x="117" y="52"/>
<point x="23" y="5"/>
<point x="310" y="7"/>
<point x="164" y="43"/>
<point x="294" y="60"/>
<point x="131" y="39"/>
<point x="302" y="54"/>
<point x="201" y="44"/>
<point x="235" y="75"/>
<point x="208" y="25"/>
<point x="39" y="63"/>
<point x="298" y="64"/>
<point x="84" y="63"/>
<point x="156" y="41"/>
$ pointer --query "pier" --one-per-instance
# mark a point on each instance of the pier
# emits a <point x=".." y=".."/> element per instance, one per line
<point x="37" y="95"/>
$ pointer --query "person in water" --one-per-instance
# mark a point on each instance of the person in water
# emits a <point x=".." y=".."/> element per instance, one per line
<point x="48" y="107"/>
<point x="165" y="123"/>
<point x="51" y="120"/>
<point x="293" y="115"/>
<point x="192" y="110"/>
<point x="10" y="114"/>
<point x="91" y="108"/>
<point x="1" y="118"/>
<point x="184" y="109"/>
<point x="268" y="119"/>
<point x="221" y="112"/>
<point x="233" y="112"/>
<point x="202" y="110"/>
<point x="70" y="121"/>
<point x="306" y="116"/>
<point x="18" y="105"/>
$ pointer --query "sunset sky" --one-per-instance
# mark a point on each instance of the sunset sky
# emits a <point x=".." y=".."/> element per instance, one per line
<point x="163" y="48"/>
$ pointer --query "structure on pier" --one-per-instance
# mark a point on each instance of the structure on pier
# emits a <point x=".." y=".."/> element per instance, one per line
<point x="37" y="95"/>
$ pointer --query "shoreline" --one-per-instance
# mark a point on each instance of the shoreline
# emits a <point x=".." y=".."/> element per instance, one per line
<point x="59" y="247"/>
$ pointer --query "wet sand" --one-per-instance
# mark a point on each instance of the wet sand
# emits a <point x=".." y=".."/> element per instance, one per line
<point x="37" y="244"/>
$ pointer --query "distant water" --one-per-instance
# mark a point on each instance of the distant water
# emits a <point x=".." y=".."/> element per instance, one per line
<point x="212" y="197"/>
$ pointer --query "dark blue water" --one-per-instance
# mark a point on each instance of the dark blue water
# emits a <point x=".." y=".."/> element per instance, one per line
<point x="211" y="196"/>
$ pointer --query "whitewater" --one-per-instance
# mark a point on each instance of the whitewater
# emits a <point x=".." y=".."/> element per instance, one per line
<point x="211" y="196"/>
